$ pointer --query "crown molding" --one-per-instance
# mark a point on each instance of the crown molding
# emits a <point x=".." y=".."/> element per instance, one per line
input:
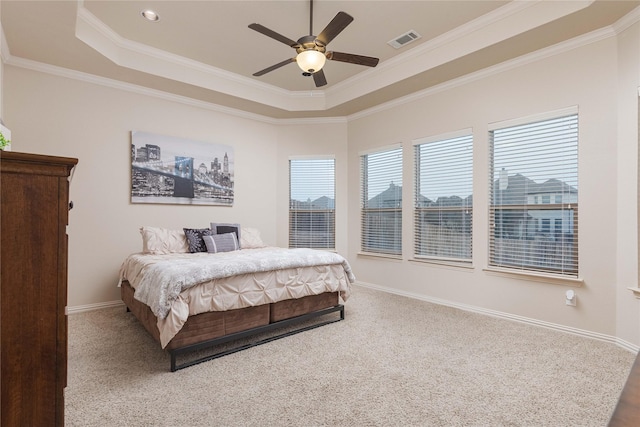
<point x="505" y="22"/>
<point x="5" y="53"/>
<point x="166" y="96"/>
<point x="140" y="57"/>
<point x="129" y="87"/>
<point x="626" y="21"/>
<point x="116" y="84"/>
<point x="576" y="42"/>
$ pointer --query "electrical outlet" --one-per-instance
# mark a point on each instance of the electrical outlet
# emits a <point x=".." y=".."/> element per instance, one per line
<point x="570" y="298"/>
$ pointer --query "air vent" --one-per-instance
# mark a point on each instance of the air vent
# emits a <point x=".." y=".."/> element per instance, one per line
<point x="404" y="39"/>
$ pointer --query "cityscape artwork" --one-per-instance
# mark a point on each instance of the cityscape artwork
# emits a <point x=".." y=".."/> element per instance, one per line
<point x="168" y="169"/>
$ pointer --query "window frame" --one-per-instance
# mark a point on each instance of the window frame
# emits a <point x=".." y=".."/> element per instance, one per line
<point x="564" y="275"/>
<point x="296" y="242"/>
<point x="365" y="234"/>
<point x="457" y="139"/>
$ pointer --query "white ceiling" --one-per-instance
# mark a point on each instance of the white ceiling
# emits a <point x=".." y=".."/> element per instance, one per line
<point x="204" y="49"/>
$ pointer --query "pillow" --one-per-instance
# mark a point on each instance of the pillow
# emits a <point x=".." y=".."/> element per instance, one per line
<point x="251" y="239"/>
<point x="194" y="238"/>
<point x="226" y="242"/>
<point x="222" y="228"/>
<point x="157" y="240"/>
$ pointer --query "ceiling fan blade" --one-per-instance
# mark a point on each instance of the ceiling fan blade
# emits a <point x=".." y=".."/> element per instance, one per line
<point x="270" y="33"/>
<point x="337" y="24"/>
<point x="319" y="78"/>
<point x="274" y="67"/>
<point x="353" y="59"/>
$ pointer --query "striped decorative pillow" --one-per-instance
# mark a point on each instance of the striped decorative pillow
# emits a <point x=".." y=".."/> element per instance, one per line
<point x="221" y="243"/>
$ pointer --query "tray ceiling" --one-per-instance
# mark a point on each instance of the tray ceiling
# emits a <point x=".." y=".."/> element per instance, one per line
<point x="204" y="50"/>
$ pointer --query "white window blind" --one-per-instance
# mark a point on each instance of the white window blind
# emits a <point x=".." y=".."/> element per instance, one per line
<point x="533" y="212"/>
<point x="312" y="203"/>
<point x="444" y="199"/>
<point x="381" y="180"/>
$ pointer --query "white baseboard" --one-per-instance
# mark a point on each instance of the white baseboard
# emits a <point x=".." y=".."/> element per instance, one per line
<point x="91" y="307"/>
<point x="513" y="317"/>
<point x="474" y="309"/>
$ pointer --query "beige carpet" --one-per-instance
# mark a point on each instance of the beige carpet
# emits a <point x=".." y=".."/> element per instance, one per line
<point x="393" y="361"/>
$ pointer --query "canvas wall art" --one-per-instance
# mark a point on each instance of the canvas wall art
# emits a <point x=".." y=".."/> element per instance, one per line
<point x="169" y="169"/>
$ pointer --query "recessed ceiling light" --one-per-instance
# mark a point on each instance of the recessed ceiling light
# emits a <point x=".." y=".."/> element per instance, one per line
<point x="150" y="15"/>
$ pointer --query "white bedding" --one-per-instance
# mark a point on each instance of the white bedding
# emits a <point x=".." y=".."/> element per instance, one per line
<point x="176" y="286"/>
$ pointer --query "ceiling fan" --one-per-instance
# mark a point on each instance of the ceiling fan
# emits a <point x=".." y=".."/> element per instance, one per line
<point x="311" y="50"/>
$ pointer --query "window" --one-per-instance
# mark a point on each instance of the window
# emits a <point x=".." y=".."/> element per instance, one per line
<point x="381" y="202"/>
<point x="443" y="198"/>
<point x="531" y="160"/>
<point x="312" y="203"/>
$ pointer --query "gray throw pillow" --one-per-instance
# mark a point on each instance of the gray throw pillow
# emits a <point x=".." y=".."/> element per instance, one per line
<point x="222" y="228"/>
<point x="221" y="243"/>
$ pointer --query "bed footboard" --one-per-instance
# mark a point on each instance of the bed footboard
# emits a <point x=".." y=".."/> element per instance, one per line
<point x="208" y="330"/>
<point x="253" y="332"/>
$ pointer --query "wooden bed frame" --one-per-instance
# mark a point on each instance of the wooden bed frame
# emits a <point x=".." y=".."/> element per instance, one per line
<point x="207" y="330"/>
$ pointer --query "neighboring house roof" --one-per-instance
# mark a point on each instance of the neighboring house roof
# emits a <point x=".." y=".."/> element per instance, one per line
<point x="517" y="190"/>
<point x="552" y="186"/>
<point x="389" y="198"/>
<point x="520" y="187"/>
<point x="323" y="202"/>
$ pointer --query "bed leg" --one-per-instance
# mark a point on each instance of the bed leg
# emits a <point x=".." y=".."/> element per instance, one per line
<point x="173" y="362"/>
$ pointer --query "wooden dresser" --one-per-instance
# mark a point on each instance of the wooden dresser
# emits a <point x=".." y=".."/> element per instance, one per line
<point x="34" y="200"/>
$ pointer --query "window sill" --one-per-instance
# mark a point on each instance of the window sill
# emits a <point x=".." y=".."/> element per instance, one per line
<point x="443" y="263"/>
<point x="536" y="277"/>
<point x="384" y="256"/>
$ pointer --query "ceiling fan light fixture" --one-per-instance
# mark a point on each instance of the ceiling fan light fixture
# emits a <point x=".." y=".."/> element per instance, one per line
<point x="311" y="61"/>
<point x="312" y="50"/>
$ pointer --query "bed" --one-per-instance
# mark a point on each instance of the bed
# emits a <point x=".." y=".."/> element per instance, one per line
<point x="191" y="296"/>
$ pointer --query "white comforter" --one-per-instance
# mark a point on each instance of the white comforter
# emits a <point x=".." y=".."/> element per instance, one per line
<point x="159" y="279"/>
